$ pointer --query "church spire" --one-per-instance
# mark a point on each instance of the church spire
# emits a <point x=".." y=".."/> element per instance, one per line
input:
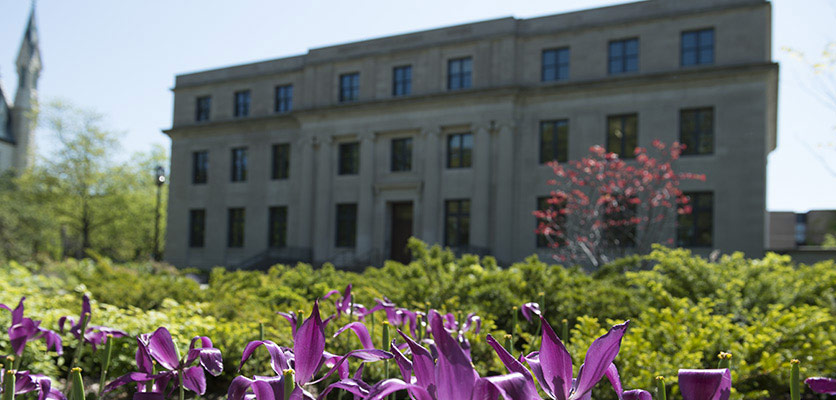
<point x="26" y="99"/>
<point x="29" y="56"/>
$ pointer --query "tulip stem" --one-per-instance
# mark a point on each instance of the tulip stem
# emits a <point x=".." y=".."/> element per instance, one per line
<point x="77" y="392"/>
<point x="182" y="389"/>
<point x="85" y="318"/>
<point x="725" y="360"/>
<point x="660" y="388"/>
<point x="289" y="384"/>
<point x="795" y="389"/>
<point x="565" y="331"/>
<point x="9" y="383"/>
<point x="261" y="331"/>
<point x="385" y="342"/>
<point x="108" y="351"/>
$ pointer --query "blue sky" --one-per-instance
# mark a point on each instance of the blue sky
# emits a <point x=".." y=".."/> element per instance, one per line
<point x="120" y="58"/>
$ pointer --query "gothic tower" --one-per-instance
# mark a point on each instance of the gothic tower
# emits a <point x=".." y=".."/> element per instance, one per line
<point x="26" y="99"/>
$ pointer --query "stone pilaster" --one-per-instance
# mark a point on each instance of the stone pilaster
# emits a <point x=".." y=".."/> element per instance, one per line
<point x="431" y="203"/>
<point x="365" y="198"/>
<point x="323" y="233"/>
<point x="480" y="203"/>
<point x="503" y="210"/>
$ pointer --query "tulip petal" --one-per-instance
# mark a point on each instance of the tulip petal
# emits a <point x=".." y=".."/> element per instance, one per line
<point x="364" y="355"/>
<point x="454" y="374"/>
<point x="705" y="384"/>
<point x="53" y="340"/>
<point x="484" y="390"/>
<point x="513" y="386"/>
<point x="195" y="380"/>
<point x="238" y="388"/>
<point x="291" y="318"/>
<point x="308" y="345"/>
<point x="512" y="364"/>
<point x="599" y="357"/>
<point x="142" y="356"/>
<point x="615" y="380"/>
<point x="212" y="361"/>
<point x="21" y="333"/>
<point x="403" y="364"/>
<point x="533" y="361"/>
<point x="161" y="347"/>
<point x="278" y="360"/>
<point x="556" y="364"/>
<point x="268" y="388"/>
<point x="637" y="394"/>
<point x="362" y="333"/>
<point x="422" y="363"/>
<point x="822" y="385"/>
<point x="356" y="387"/>
<point x="529" y="309"/>
<point x="389" y="386"/>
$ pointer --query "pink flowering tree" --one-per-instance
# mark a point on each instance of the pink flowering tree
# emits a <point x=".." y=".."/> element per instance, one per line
<point x="603" y="207"/>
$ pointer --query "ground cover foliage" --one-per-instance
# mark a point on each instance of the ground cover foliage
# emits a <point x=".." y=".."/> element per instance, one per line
<point x="684" y="310"/>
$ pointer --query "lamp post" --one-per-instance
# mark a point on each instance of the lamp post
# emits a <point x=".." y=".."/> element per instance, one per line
<point x="160" y="175"/>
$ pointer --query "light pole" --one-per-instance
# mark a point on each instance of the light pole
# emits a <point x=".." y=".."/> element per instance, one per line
<point x="160" y="175"/>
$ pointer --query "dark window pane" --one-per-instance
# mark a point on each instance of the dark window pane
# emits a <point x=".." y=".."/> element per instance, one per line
<point x="346" y="232"/>
<point x="349" y="87"/>
<point x="277" y="226"/>
<point x="696" y="131"/>
<point x="349" y="158"/>
<point x="459" y="73"/>
<point x="697" y="47"/>
<point x="457" y="223"/>
<point x="235" y="227"/>
<point x="697" y="228"/>
<point x="203" y="107"/>
<point x="284" y="98"/>
<point x="401" y="155"/>
<point x="242" y="104"/>
<point x="554" y="137"/>
<point x="622" y="135"/>
<point x="402" y="81"/>
<point x="281" y="161"/>
<point x="200" y="167"/>
<point x="239" y="164"/>
<point x="197" y="227"/>
<point x="459" y="150"/>
<point x="623" y="56"/>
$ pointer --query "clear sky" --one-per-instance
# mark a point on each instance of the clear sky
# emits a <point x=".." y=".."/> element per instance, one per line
<point x="120" y="58"/>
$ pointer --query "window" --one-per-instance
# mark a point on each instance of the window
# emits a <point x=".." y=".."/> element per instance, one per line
<point x="242" y="103"/>
<point x="624" y="56"/>
<point x="281" y="161"/>
<point x="197" y="227"/>
<point x="558" y="219"/>
<point x="349" y="158"/>
<point x="696" y="130"/>
<point x="554" y="141"/>
<point x="200" y="167"/>
<point x="284" y="98"/>
<point x="202" y="109"/>
<point x="346" y="225"/>
<point x="402" y="81"/>
<point x="696" y="229"/>
<point x="620" y="228"/>
<point x="401" y="155"/>
<point x="277" y="224"/>
<point x="457" y="223"/>
<point x="459" y="150"/>
<point x="239" y="164"/>
<point x="697" y="47"/>
<point x="349" y="87"/>
<point x="622" y="135"/>
<point x="458" y="73"/>
<point x="555" y="65"/>
<point x="235" y="228"/>
<point x="800" y="229"/>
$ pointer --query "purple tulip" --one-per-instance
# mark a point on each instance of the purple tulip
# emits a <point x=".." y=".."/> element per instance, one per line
<point x="615" y="381"/>
<point x="94" y="335"/>
<point x="343" y="304"/>
<point x="529" y="310"/>
<point x="451" y="377"/>
<point x="552" y="365"/>
<point x="160" y="346"/>
<point x="705" y="384"/>
<point x="27" y="383"/>
<point x="24" y="330"/>
<point x="822" y="385"/>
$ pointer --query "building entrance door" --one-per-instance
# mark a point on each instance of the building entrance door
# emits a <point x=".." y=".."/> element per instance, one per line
<point x="401" y="231"/>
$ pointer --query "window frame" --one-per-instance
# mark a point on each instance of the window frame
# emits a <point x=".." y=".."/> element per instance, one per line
<point x="623" y="57"/>
<point x="557" y="66"/>
<point x="623" y="146"/>
<point x="203" y="108"/>
<point x="283" y="99"/>
<point x="401" y="155"/>
<point x="461" y="218"/>
<point x="238" y="164"/>
<point x="280" y="161"/>
<point x="560" y="143"/>
<point x="698" y="132"/>
<point x="277" y="235"/>
<point x="235" y="227"/>
<point x="345" y="229"/>
<point x="457" y="152"/>
<point x="402" y="85"/>
<point x="200" y="167"/>
<point x="348" y="158"/>
<point x="464" y="78"/>
<point x="241" y="103"/>
<point x="695" y="231"/>
<point x="197" y="240"/>
<point x="698" y="47"/>
<point x="349" y="87"/>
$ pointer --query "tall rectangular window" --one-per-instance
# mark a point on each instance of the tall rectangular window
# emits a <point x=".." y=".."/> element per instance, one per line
<point x="204" y="104"/>
<point x="284" y="98"/>
<point x="242" y="103"/>
<point x="346" y="225"/>
<point x="349" y="158"/>
<point x="623" y="135"/>
<point x="696" y="229"/>
<point x="623" y="56"/>
<point x="697" y="47"/>
<point x="197" y="227"/>
<point x="459" y="73"/>
<point x="239" y="164"/>
<point x="281" y="161"/>
<point x="277" y="223"/>
<point x="349" y="87"/>
<point x="554" y="141"/>
<point x="696" y="130"/>
<point x="558" y="218"/>
<point x="402" y="80"/>
<point x="619" y="228"/>
<point x="401" y="155"/>
<point x="235" y="228"/>
<point x="459" y="150"/>
<point x="457" y="223"/>
<point x="200" y="167"/>
<point x="555" y="65"/>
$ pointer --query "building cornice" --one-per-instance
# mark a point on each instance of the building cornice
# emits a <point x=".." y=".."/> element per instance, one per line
<point x="481" y="94"/>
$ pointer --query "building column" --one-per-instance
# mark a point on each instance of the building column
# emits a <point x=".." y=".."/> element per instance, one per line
<point x="432" y="225"/>
<point x="301" y="210"/>
<point x="480" y="203"/>
<point x="323" y="234"/>
<point x="503" y="210"/>
<point x="365" y="199"/>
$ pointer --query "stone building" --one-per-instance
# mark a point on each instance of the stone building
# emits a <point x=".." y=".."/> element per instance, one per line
<point x="16" y="119"/>
<point x="344" y="152"/>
